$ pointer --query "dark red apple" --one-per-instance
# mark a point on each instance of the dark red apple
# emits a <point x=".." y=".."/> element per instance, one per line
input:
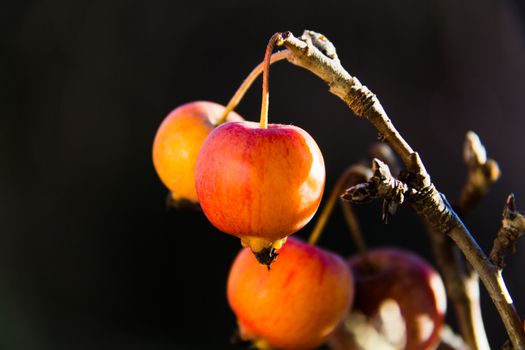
<point x="398" y="280"/>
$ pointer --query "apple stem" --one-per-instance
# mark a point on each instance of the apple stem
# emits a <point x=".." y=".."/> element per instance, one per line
<point x="354" y="228"/>
<point x="352" y="175"/>
<point x="266" y="77"/>
<point x="247" y="83"/>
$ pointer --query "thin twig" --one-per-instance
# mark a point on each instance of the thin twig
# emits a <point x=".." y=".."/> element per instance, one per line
<point x="383" y="185"/>
<point x="461" y="281"/>
<point x="451" y="341"/>
<point x="314" y="53"/>
<point x="462" y="288"/>
<point x="512" y="227"/>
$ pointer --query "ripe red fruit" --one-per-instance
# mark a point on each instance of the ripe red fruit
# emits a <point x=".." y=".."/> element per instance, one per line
<point x="178" y="141"/>
<point x="387" y="275"/>
<point x="259" y="184"/>
<point x="296" y="304"/>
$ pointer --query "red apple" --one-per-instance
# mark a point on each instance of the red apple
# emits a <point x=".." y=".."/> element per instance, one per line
<point x="386" y="277"/>
<point x="259" y="184"/>
<point x="178" y="141"/>
<point x="294" y="305"/>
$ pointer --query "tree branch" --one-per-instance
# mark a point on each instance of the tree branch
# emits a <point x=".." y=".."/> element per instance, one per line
<point x="314" y="52"/>
<point x="462" y="288"/>
<point x="461" y="282"/>
<point x="383" y="185"/>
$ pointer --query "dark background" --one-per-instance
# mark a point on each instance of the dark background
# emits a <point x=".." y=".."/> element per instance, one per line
<point x="89" y="256"/>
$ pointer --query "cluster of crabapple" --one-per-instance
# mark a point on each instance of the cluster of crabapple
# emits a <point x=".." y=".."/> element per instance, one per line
<point x="262" y="183"/>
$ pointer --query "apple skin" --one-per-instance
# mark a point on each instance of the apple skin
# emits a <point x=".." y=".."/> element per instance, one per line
<point x="406" y="278"/>
<point x="260" y="185"/>
<point x="178" y="141"/>
<point x="297" y="303"/>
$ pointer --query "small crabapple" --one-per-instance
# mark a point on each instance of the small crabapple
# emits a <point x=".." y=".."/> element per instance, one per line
<point x="181" y="134"/>
<point x="294" y="305"/>
<point x="178" y="141"/>
<point x="259" y="184"/>
<point x="389" y="277"/>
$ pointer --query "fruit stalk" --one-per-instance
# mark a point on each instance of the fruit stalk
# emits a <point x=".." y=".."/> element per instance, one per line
<point x="266" y="77"/>
<point x="351" y="176"/>
<point x="430" y="204"/>
<point x="247" y="83"/>
<point x="353" y="227"/>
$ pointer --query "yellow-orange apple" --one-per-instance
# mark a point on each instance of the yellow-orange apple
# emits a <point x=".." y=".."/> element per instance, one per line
<point x="259" y="184"/>
<point x="388" y="276"/>
<point x="294" y="305"/>
<point x="178" y="141"/>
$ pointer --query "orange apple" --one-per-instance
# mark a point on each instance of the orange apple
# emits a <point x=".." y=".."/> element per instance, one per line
<point x="297" y="303"/>
<point x="386" y="277"/>
<point x="178" y="141"/>
<point x="259" y="184"/>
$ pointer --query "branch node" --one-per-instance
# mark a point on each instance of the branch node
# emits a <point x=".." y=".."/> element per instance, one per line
<point x="512" y="227"/>
<point x="361" y="99"/>
<point x="321" y="42"/>
<point x="482" y="173"/>
<point x="381" y="185"/>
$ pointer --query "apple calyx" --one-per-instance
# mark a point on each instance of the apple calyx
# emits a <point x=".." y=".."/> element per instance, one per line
<point x="266" y="256"/>
<point x="181" y="203"/>
<point x="263" y="249"/>
<point x="257" y="343"/>
<point x="261" y="344"/>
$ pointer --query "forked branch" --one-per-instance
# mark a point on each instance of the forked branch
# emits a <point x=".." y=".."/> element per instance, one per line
<point x="315" y="53"/>
<point x="461" y="281"/>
